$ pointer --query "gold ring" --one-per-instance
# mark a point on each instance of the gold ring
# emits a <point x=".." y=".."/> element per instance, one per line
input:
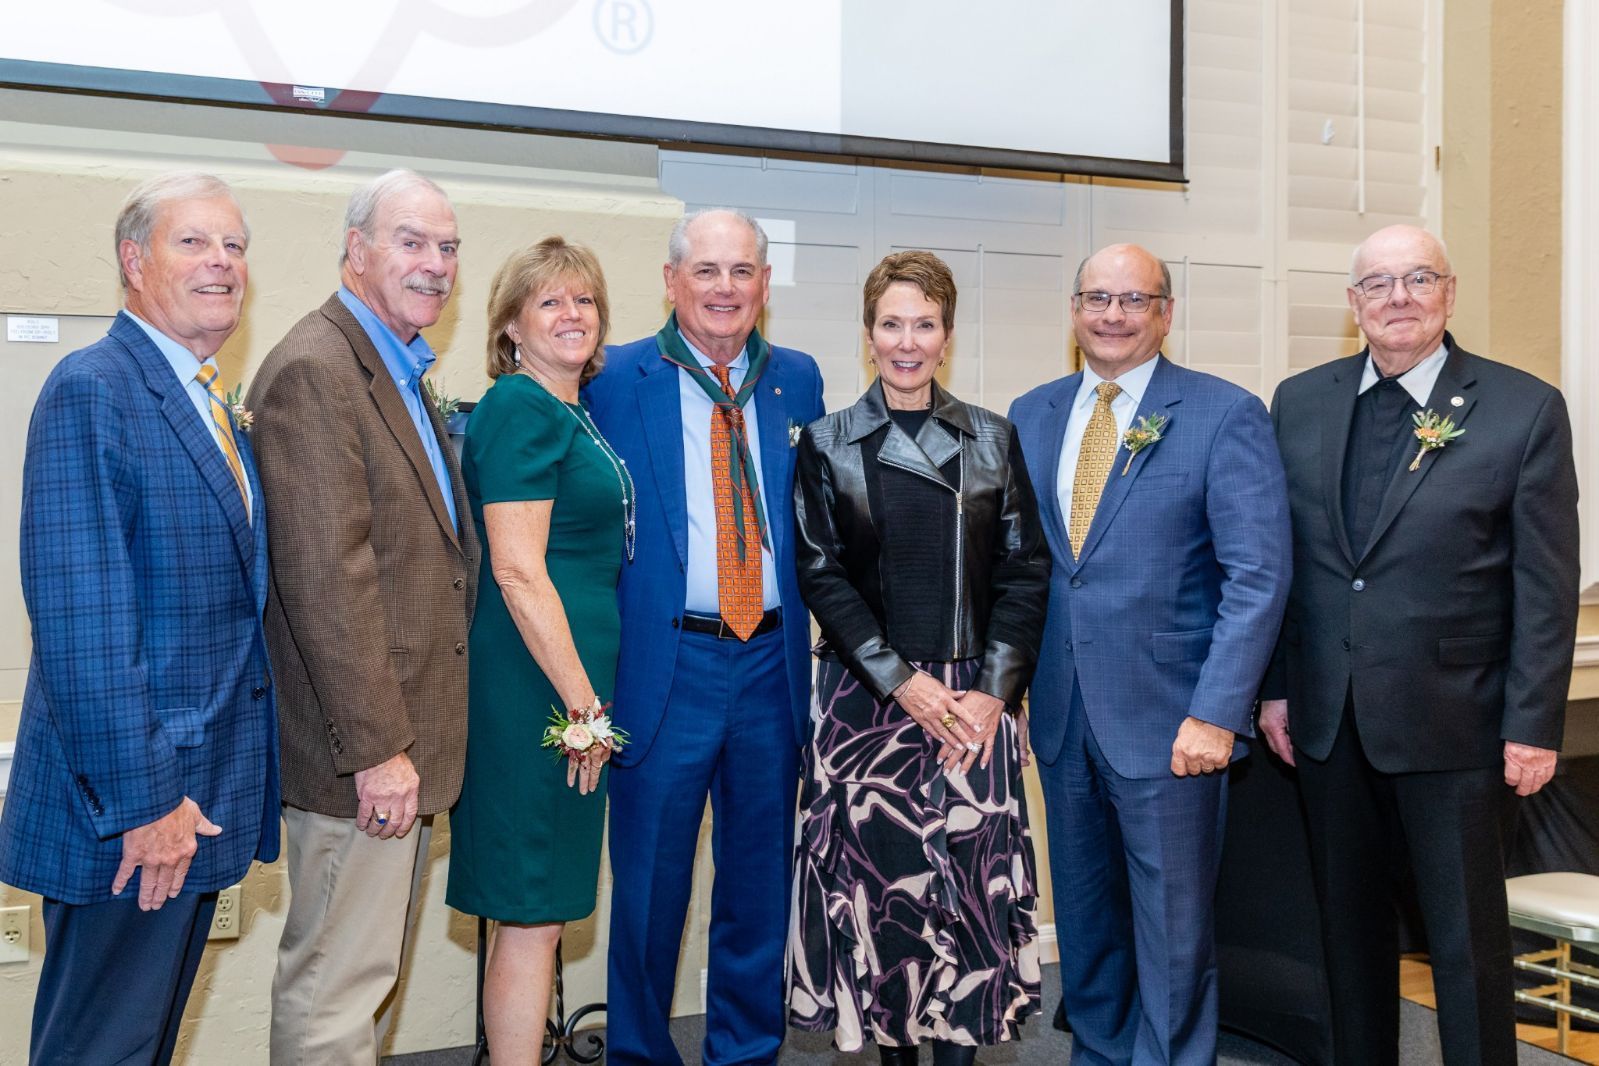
<point x="949" y="721"/>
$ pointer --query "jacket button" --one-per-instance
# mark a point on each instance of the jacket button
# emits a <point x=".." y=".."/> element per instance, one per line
<point x="258" y="693"/>
<point x="460" y="647"/>
<point x="1346" y="643"/>
<point x="1359" y="584"/>
<point x="1068" y="645"/>
<point x="1077" y="582"/>
<point x="674" y="623"/>
<point x="458" y="584"/>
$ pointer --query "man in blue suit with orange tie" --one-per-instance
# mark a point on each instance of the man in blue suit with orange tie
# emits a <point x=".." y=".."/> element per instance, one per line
<point x="145" y="776"/>
<point x="713" y="686"/>
<point x="1166" y="510"/>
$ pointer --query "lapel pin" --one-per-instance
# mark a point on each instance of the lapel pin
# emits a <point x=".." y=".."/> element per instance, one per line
<point x="777" y="390"/>
<point x="1457" y="401"/>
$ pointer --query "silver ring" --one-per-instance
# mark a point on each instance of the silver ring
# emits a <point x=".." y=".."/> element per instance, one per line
<point x="972" y="745"/>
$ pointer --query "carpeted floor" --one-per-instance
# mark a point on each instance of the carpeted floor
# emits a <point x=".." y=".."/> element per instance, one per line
<point x="1040" y="1044"/>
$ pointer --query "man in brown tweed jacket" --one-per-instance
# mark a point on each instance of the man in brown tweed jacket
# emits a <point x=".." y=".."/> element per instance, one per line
<point x="374" y="572"/>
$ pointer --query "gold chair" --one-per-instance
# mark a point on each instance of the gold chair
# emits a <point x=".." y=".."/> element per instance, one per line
<point x="1564" y="907"/>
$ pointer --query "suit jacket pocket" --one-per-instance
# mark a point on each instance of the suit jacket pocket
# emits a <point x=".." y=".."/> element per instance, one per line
<point x="184" y="726"/>
<point x="1156" y="482"/>
<point x="1189" y="646"/>
<point x="1464" y="651"/>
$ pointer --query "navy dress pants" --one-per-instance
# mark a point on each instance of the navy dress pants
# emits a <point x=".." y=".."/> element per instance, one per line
<point x="115" y="979"/>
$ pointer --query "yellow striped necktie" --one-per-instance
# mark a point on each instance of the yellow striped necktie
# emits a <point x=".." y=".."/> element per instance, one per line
<point x="223" y="420"/>
<point x="1094" y="461"/>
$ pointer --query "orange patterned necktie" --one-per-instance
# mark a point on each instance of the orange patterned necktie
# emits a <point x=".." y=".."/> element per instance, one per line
<point x="738" y="573"/>
<point x="207" y="376"/>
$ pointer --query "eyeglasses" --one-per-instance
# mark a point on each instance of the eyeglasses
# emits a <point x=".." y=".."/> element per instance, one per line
<point x="1134" y="303"/>
<point x="1416" y="283"/>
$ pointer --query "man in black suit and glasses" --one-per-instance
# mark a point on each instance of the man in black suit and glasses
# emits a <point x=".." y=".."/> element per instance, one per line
<point x="1420" y="680"/>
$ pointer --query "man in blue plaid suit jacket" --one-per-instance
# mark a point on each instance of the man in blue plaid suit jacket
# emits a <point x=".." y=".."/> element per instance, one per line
<point x="1160" y="625"/>
<point x="145" y="776"/>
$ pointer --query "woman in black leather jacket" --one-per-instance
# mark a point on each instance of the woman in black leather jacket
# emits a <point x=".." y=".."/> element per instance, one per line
<point x="922" y="557"/>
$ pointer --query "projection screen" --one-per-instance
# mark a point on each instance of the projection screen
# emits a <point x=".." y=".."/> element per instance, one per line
<point x="1058" y="85"/>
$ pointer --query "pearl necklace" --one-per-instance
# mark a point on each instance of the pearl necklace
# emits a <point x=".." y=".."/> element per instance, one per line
<point x="624" y="477"/>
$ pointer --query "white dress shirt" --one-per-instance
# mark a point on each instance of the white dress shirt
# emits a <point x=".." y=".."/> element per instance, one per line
<point x="1134" y="383"/>
<point x="1418" y="380"/>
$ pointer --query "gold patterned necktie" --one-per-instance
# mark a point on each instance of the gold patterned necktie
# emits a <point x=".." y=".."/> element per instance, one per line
<point x="207" y="376"/>
<point x="1094" y="460"/>
<point x="738" y="566"/>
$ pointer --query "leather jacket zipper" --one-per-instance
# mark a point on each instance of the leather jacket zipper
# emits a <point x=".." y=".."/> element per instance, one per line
<point x="960" y="539"/>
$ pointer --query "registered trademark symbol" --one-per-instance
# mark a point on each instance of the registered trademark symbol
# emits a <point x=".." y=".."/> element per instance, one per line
<point x="624" y="26"/>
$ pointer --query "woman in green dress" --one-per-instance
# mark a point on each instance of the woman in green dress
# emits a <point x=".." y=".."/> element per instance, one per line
<point x="554" y="511"/>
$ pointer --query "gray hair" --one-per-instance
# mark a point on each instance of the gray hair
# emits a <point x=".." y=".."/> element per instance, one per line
<point x="677" y="243"/>
<point x="1354" y="257"/>
<point x="361" y="214"/>
<point x="1165" y="275"/>
<point x="136" y="220"/>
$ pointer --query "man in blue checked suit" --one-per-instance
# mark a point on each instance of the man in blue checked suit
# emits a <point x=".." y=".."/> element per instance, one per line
<point x="146" y="765"/>
<point x="1165" y="507"/>
<point x="713" y="686"/>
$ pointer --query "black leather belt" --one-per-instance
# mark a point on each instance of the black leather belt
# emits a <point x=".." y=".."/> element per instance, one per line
<point x="716" y="627"/>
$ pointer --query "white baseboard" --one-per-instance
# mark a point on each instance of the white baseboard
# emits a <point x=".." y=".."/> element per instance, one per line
<point x="1587" y="651"/>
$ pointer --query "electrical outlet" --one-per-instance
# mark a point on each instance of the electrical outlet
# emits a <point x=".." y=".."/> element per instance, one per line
<point x="229" y="914"/>
<point x="14" y="923"/>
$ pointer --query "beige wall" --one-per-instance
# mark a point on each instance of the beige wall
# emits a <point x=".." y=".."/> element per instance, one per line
<point x="1501" y="178"/>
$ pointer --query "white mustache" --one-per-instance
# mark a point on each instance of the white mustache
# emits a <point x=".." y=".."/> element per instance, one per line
<point x="424" y="283"/>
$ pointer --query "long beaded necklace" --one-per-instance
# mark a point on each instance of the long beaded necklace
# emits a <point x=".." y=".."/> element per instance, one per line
<point x="624" y="477"/>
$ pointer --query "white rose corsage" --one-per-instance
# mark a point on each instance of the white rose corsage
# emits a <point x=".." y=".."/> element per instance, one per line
<point x="573" y="734"/>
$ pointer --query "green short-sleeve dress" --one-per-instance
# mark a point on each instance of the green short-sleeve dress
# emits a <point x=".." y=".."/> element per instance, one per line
<point x="525" y="847"/>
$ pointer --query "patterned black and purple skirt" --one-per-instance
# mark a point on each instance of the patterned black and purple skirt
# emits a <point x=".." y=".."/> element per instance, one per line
<point x="914" y="889"/>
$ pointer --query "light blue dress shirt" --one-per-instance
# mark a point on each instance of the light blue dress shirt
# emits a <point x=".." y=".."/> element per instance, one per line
<point x="185" y="364"/>
<point x="407" y="363"/>
<point x="703" y="597"/>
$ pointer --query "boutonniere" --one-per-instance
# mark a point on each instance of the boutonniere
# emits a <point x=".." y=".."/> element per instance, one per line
<point x="446" y="404"/>
<point x="1433" y="431"/>
<point x="243" y="417"/>
<point x="794" y="431"/>
<point x="1140" y="435"/>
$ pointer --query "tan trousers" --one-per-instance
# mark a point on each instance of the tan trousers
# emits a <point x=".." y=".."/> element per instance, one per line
<point x="350" y="914"/>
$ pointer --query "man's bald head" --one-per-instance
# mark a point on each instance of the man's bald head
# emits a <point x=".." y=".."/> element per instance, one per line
<point x="1407" y="239"/>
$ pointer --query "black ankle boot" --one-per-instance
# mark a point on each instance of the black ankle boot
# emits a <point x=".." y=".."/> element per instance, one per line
<point x="897" y="1056"/>
<point x="947" y="1054"/>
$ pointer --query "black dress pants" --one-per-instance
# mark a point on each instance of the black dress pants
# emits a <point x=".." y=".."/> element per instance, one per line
<point x="1452" y="827"/>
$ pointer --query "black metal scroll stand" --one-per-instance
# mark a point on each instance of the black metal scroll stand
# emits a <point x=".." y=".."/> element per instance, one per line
<point x="560" y="1030"/>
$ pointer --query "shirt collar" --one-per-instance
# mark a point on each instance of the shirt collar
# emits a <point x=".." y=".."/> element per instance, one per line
<point x="407" y="362"/>
<point x="185" y="364"/>
<point x="1418" y="380"/>
<point x="741" y="363"/>
<point x="1134" y="383"/>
